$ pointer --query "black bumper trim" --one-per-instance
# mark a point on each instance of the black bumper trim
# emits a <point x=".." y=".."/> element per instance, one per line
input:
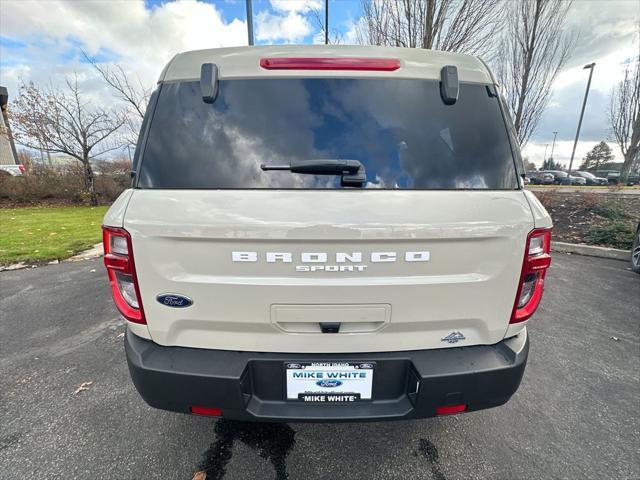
<point x="250" y="385"/>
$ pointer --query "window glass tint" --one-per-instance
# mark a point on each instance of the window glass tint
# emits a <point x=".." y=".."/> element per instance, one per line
<point x="399" y="129"/>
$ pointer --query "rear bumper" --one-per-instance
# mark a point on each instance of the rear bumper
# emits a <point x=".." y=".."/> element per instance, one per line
<point x="251" y="386"/>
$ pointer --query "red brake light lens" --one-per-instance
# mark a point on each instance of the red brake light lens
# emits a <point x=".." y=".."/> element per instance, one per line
<point x="337" y="63"/>
<point x="21" y="168"/>
<point x="451" y="409"/>
<point x="209" y="412"/>
<point x="118" y="258"/>
<point x="534" y="268"/>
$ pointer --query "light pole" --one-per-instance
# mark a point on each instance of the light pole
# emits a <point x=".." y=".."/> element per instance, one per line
<point x="544" y="159"/>
<point x="555" y="134"/>
<point x="326" y="22"/>
<point x="590" y="66"/>
<point x="250" y="21"/>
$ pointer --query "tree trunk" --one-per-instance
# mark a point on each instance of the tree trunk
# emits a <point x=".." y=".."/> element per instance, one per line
<point x="89" y="182"/>
<point x="524" y="90"/>
<point x="630" y="160"/>
<point x="430" y="10"/>
<point x="632" y="154"/>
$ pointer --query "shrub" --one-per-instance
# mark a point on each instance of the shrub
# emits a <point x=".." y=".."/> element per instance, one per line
<point x="64" y="184"/>
<point x="109" y="187"/>
<point x="41" y="184"/>
<point x="112" y="177"/>
<point x="611" y="210"/>
<point x="617" y="234"/>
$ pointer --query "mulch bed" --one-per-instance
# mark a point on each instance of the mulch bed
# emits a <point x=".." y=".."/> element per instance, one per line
<point x="575" y="214"/>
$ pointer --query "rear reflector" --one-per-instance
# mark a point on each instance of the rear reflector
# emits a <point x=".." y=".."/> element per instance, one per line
<point x="338" y="63"/>
<point x="534" y="268"/>
<point x="118" y="258"/>
<point x="451" y="409"/>
<point x="209" y="412"/>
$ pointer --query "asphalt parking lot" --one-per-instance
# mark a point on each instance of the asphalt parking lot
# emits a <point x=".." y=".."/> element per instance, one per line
<point x="576" y="414"/>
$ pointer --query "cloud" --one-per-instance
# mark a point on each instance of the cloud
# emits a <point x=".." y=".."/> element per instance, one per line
<point x="292" y="27"/>
<point x="296" y="6"/>
<point x="45" y="38"/>
<point x="602" y="27"/>
<point x="350" y="36"/>
<point x="287" y="21"/>
<point x="607" y="35"/>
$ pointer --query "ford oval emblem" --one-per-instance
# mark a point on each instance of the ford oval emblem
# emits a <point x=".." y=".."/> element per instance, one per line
<point x="328" y="383"/>
<point x="174" y="300"/>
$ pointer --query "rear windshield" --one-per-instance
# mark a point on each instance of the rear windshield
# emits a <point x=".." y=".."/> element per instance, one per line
<point x="398" y="129"/>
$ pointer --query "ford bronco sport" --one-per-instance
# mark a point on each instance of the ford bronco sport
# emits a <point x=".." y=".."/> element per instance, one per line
<point x="326" y="233"/>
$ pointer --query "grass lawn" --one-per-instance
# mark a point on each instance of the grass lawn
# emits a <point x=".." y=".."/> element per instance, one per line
<point x="48" y="233"/>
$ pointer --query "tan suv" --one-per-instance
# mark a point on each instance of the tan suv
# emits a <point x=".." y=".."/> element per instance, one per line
<point x="326" y="233"/>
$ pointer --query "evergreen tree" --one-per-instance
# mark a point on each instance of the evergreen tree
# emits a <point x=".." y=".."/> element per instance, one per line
<point x="551" y="164"/>
<point x="598" y="155"/>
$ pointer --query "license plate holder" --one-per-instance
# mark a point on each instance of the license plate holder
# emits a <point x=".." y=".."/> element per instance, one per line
<point x="329" y="382"/>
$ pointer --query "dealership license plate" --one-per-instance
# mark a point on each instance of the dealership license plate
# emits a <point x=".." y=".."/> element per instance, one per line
<point x="320" y="382"/>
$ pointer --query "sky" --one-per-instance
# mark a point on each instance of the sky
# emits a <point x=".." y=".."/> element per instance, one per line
<point x="42" y="41"/>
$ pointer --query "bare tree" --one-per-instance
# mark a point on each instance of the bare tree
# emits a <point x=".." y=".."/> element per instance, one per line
<point x="533" y="50"/>
<point x="335" y="37"/>
<point x="465" y="26"/>
<point x="624" y="118"/>
<point x="132" y="92"/>
<point x="62" y="121"/>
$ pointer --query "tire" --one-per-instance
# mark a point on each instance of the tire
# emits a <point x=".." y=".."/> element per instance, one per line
<point x="635" y="252"/>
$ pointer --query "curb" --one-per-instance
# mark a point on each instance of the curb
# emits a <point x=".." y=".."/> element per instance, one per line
<point x="93" y="252"/>
<point x="568" y="190"/>
<point x="591" y="251"/>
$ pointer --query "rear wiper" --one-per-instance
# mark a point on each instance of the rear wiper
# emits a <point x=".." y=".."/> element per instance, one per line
<point x="352" y="172"/>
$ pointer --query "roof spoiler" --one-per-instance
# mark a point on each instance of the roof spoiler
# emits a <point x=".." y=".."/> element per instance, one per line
<point x="209" y="82"/>
<point x="449" y="84"/>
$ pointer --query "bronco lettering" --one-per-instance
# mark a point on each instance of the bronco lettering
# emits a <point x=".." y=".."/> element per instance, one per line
<point x="322" y="257"/>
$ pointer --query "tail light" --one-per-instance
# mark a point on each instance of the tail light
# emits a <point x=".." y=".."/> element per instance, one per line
<point x="534" y="268"/>
<point x="21" y="168"/>
<point x="118" y="258"/>
<point x="337" y="63"/>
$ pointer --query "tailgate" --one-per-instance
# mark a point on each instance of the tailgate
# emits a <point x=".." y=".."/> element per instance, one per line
<point x="268" y="270"/>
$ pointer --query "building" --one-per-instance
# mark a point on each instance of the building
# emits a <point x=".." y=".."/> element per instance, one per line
<point x="8" y="154"/>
